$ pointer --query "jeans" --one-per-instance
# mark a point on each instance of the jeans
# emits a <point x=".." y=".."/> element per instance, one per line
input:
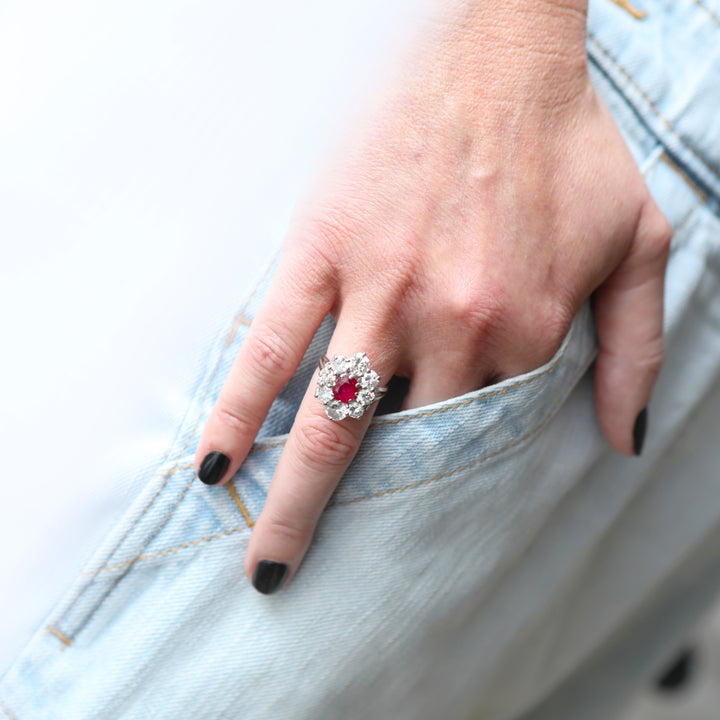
<point x="488" y="556"/>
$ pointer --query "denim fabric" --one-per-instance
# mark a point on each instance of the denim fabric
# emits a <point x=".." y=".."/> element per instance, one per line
<point x="487" y="556"/>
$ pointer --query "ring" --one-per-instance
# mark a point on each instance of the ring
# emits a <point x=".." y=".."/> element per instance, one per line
<point x="347" y="387"/>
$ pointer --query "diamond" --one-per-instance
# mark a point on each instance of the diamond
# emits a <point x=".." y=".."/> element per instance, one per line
<point x="360" y="363"/>
<point x="366" y="397"/>
<point x="370" y="380"/>
<point x="326" y="376"/>
<point x="355" y="409"/>
<point x="324" y="394"/>
<point x="339" y="364"/>
<point x="336" y="411"/>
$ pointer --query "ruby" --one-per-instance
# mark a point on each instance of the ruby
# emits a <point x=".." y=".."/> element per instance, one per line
<point x="345" y="389"/>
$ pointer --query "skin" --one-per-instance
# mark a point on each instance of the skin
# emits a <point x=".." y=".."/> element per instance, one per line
<point x="485" y="195"/>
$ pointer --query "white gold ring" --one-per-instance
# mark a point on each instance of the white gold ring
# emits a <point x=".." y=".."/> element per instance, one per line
<point x="347" y="387"/>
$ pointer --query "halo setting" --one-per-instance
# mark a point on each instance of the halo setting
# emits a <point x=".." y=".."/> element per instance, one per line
<point x="347" y="386"/>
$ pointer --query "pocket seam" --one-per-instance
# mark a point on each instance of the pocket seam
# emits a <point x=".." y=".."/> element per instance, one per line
<point x="665" y="121"/>
<point x="6" y="711"/>
<point x="715" y="18"/>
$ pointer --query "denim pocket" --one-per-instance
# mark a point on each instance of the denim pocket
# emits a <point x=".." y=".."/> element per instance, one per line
<point x="406" y="449"/>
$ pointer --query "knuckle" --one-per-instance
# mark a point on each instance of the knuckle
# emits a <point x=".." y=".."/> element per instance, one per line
<point x="269" y="352"/>
<point x="644" y="361"/>
<point x="658" y="232"/>
<point x="330" y="225"/>
<point x="239" y="424"/>
<point x="292" y="529"/>
<point x="327" y="229"/>
<point x="550" y="326"/>
<point x="481" y="313"/>
<point x="662" y="233"/>
<point x="320" y="442"/>
<point x="651" y="361"/>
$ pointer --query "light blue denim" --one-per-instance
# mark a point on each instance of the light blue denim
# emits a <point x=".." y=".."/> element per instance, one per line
<point x="484" y="557"/>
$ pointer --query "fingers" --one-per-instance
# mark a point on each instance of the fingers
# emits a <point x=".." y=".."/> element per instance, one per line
<point x="629" y="318"/>
<point x="317" y="453"/>
<point x="296" y="304"/>
<point x="442" y="376"/>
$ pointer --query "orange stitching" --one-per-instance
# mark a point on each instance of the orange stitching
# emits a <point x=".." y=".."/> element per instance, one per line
<point x="65" y="640"/>
<point x="713" y="16"/>
<point x="258" y="448"/>
<point x="6" y="711"/>
<point x="240" y="504"/>
<point x="173" y="470"/>
<point x="173" y="549"/>
<point x="246" y="321"/>
<point x="228" y="341"/>
<point x="231" y="335"/>
<point x="669" y="161"/>
<point x="625" y="5"/>
<point x="670" y="127"/>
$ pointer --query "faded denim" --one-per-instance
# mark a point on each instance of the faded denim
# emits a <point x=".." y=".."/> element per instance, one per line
<point x="484" y="557"/>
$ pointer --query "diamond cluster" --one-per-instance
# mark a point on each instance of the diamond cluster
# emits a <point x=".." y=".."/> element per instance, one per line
<point x="346" y="386"/>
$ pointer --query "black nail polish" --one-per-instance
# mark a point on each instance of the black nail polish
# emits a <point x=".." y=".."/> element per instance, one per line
<point x="268" y="576"/>
<point x="639" y="431"/>
<point x="678" y="674"/>
<point x="213" y="467"/>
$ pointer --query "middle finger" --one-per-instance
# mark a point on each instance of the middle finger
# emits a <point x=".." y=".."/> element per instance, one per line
<point x="317" y="453"/>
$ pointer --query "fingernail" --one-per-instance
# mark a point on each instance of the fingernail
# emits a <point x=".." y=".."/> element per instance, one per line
<point x="268" y="576"/>
<point x="679" y="673"/>
<point x="639" y="431"/>
<point x="213" y="467"/>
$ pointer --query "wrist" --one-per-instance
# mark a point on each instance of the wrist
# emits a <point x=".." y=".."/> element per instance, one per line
<point x="517" y="49"/>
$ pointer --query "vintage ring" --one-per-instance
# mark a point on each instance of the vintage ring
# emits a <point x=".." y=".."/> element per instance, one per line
<point x="347" y="387"/>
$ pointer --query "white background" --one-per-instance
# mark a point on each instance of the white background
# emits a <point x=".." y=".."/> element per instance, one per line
<point x="150" y="156"/>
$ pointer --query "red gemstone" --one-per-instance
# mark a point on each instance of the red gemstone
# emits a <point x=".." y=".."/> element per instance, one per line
<point x="345" y="389"/>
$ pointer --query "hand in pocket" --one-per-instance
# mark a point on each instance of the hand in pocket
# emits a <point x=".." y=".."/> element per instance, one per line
<point x="482" y="200"/>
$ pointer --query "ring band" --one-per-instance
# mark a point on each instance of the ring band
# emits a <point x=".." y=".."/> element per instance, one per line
<point x="347" y="387"/>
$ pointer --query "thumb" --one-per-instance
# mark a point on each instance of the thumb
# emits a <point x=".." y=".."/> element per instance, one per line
<point x="629" y="319"/>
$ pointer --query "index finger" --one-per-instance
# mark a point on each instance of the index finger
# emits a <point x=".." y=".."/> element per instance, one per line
<point x="298" y="300"/>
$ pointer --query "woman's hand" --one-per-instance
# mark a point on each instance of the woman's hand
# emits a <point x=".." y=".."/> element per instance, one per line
<point x="487" y="196"/>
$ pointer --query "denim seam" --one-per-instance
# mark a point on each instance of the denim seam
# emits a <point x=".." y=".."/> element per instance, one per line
<point x="632" y="10"/>
<point x="228" y="341"/>
<point x="685" y="220"/>
<point x="64" y="639"/>
<point x="713" y="15"/>
<point x="175" y="548"/>
<point x="250" y="522"/>
<point x="427" y="413"/>
<point x="665" y="121"/>
<point x="664" y="157"/>
<point x="6" y="711"/>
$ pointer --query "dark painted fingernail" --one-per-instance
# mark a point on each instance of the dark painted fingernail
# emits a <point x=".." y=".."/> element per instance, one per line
<point x="679" y="673"/>
<point x="639" y="431"/>
<point x="268" y="576"/>
<point x="213" y="467"/>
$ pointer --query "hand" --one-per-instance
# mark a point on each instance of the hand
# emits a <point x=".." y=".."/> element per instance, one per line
<point x="488" y="194"/>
